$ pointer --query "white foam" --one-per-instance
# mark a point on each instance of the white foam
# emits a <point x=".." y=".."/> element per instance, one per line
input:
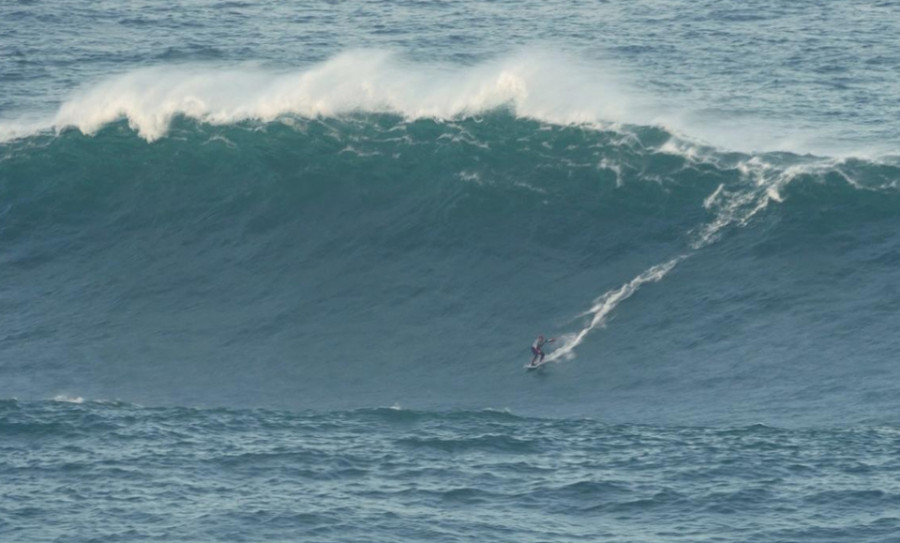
<point x="738" y="207"/>
<point x="556" y="88"/>
<point x="24" y="127"/>
<point x="740" y="204"/>
<point x="68" y="399"/>
<point x="762" y="185"/>
<point x="605" y="304"/>
<point x="537" y="85"/>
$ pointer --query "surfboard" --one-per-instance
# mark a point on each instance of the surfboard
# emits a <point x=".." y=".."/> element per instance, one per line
<point x="530" y="367"/>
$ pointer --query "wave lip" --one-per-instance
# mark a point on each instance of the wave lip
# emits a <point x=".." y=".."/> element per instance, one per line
<point x="535" y="85"/>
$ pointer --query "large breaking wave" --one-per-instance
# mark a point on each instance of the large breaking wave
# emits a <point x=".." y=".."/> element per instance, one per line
<point x="347" y="250"/>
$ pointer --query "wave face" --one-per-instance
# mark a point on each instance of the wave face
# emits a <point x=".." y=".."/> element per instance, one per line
<point x="371" y="259"/>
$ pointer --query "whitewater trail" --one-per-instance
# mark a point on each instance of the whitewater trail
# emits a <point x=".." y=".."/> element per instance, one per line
<point x="605" y="304"/>
<point x="729" y="207"/>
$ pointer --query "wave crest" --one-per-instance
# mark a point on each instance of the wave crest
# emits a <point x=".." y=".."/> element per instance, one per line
<point x="535" y="85"/>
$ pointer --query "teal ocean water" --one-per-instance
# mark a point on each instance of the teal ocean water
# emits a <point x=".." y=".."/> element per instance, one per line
<point x="271" y="272"/>
<point x="108" y="471"/>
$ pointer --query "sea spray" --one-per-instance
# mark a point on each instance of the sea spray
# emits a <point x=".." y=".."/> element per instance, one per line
<point x="540" y="86"/>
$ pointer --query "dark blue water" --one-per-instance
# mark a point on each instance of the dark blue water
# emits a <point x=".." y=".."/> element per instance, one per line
<point x="271" y="273"/>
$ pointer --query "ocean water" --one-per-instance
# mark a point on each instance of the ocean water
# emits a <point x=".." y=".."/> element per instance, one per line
<point x="270" y="272"/>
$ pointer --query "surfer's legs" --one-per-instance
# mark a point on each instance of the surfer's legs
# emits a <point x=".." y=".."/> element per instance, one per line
<point x="536" y="353"/>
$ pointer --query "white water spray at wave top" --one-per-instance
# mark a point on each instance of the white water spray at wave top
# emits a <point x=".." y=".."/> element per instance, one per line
<point x="558" y="88"/>
<point x="534" y="85"/>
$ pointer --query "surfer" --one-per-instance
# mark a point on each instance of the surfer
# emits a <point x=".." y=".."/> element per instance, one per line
<point x="537" y="351"/>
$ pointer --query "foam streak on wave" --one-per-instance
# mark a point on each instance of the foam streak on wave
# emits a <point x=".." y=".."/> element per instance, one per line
<point x="731" y="207"/>
<point x="739" y="206"/>
<point x="605" y="304"/>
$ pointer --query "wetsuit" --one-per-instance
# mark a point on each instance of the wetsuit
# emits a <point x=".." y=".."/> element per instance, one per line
<point x="536" y="349"/>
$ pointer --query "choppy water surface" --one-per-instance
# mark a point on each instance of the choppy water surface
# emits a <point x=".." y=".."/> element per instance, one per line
<point x="178" y="474"/>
